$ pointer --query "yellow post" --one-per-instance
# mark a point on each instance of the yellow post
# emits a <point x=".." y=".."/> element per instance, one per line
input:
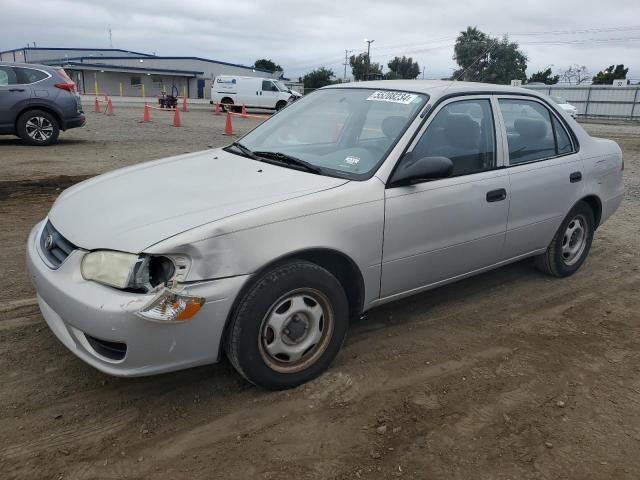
<point x="204" y="90"/>
<point x="95" y="85"/>
<point x="184" y="90"/>
<point x="143" y="95"/>
<point x="120" y="88"/>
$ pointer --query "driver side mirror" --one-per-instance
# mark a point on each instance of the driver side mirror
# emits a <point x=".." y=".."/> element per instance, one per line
<point x="426" y="168"/>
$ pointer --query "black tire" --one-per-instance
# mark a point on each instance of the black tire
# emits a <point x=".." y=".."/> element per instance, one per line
<point x="226" y="104"/>
<point x="38" y="128"/>
<point x="246" y="335"/>
<point x="280" y="105"/>
<point x="555" y="261"/>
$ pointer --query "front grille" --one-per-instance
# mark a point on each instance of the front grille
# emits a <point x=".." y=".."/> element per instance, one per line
<point x="110" y="350"/>
<point x="54" y="246"/>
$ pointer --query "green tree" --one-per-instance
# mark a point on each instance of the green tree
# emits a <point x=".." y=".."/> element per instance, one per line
<point x="544" y="76"/>
<point x="318" y="78"/>
<point x="606" y="77"/>
<point x="403" y="68"/>
<point x="267" y="64"/>
<point x="486" y="59"/>
<point x="359" y="67"/>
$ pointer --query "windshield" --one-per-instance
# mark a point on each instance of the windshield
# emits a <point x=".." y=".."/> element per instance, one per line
<point x="346" y="132"/>
<point x="281" y="85"/>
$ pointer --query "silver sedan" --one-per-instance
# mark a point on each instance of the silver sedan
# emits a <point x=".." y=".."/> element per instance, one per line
<point x="352" y="197"/>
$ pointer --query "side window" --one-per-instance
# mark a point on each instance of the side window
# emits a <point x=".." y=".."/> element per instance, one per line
<point x="7" y="76"/>
<point x="564" y="143"/>
<point x="531" y="132"/>
<point x="28" y="75"/>
<point x="266" y="86"/>
<point x="463" y="132"/>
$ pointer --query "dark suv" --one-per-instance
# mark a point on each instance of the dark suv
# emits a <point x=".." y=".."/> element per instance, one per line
<point x="37" y="101"/>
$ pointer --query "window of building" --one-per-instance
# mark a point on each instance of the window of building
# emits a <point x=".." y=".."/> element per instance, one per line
<point x="136" y="81"/>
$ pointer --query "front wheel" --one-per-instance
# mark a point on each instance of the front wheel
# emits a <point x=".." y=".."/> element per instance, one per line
<point x="37" y="127"/>
<point x="288" y="326"/>
<point x="280" y="105"/>
<point x="571" y="244"/>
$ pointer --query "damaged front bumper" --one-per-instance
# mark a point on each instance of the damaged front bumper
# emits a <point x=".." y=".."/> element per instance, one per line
<point x="100" y="324"/>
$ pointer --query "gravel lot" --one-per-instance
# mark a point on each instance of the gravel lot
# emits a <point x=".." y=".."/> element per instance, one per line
<point x="508" y="375"/>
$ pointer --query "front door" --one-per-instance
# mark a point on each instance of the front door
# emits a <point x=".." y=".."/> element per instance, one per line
<point x="270" y="94"/>
<point x="441" y="229"/>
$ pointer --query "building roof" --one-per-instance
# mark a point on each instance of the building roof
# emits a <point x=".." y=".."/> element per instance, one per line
<point x="79" y="49"/>
<point x="124" y="68"/>
<point x="135" y="56"/>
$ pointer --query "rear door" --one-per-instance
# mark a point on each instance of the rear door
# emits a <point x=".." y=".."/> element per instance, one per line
<point x="545" y="173"/>
<point x="13" y="98"/>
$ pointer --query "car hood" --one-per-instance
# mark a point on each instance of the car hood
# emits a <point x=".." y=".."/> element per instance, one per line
<point x="133" y="208"/>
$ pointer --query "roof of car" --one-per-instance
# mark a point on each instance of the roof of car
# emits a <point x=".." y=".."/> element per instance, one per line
<point x="433" y="87"/>
<point x="28" y="65"/>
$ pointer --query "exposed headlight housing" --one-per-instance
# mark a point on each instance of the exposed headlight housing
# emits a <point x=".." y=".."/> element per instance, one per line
<point x="127" y="271"/>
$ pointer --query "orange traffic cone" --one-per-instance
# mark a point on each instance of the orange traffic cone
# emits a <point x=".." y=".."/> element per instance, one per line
<point x="146" y="117"/>
<point x="243" y="111"/>
<point x="109" y="108"/>
<point x="184" y="104"/>
<point x="217" y="109"/>
<point x="96" y="106"/>
<point x="228" y="128"/>
<point x="176" y="118"/>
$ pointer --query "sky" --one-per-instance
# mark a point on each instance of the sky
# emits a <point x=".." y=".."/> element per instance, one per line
<point x="303" y="35"/>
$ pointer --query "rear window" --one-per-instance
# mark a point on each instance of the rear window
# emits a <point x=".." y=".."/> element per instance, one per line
<point x="29" y="75"/>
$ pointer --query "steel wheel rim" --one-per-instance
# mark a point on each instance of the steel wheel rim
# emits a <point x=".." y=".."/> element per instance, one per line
<point x="39" y="128"/>
<point x="296" y="330"/>
<point x="574" y="240"/>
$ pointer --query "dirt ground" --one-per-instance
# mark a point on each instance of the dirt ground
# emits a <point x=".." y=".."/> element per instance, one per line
<point x="508" y="375"/>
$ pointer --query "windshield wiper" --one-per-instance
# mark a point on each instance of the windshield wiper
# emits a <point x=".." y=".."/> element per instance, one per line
<point x="245" y="151"/>
<point x="290" y="160"/>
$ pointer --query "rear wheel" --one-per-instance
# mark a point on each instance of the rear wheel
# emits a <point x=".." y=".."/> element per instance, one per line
<point x="226" y="104"/>
<point x="288" y="326"/>
<point x="570" y="245"/>
<point x="37" y="127"/>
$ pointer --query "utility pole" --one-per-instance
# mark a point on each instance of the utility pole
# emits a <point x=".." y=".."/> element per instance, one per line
<point x="346" y="62"/>
<point x="369" y="42"/>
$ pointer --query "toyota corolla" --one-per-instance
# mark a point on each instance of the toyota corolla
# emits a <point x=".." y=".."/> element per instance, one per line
<point x="352" y="197"/>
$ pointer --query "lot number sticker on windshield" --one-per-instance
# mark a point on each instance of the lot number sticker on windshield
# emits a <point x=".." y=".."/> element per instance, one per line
<point x="395" y="97"/>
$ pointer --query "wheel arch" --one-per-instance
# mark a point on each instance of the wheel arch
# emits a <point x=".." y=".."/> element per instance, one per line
<point x="337" y="263"/>
<point x="227" y="99"/>
<point x="596" y="205"/>
<point x="44" y="108"/>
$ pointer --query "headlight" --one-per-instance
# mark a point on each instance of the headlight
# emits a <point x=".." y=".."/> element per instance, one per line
<point x="126" y="270"/>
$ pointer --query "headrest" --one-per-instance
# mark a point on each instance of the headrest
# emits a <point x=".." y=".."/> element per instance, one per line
<point x="392" y="126"/>
<point x="531" y="128"/>
<point x="461" y="130"/>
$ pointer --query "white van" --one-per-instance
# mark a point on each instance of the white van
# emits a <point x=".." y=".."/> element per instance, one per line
<point x="253" y="92"/>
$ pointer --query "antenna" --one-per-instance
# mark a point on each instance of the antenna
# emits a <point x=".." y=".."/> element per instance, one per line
<point x="110" y="39"/>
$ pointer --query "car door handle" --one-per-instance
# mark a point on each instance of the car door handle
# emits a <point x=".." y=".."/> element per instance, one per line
<point x="16" y="89"/>
<point x="575" y="177"/>
<point x="496" y="195"/>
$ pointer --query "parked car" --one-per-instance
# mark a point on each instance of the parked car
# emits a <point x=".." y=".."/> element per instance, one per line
<point x="566" y="106"/>
<point x="253" y="92"/>
<point x="37" y="101"/>
<point x="354" y="196"/>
